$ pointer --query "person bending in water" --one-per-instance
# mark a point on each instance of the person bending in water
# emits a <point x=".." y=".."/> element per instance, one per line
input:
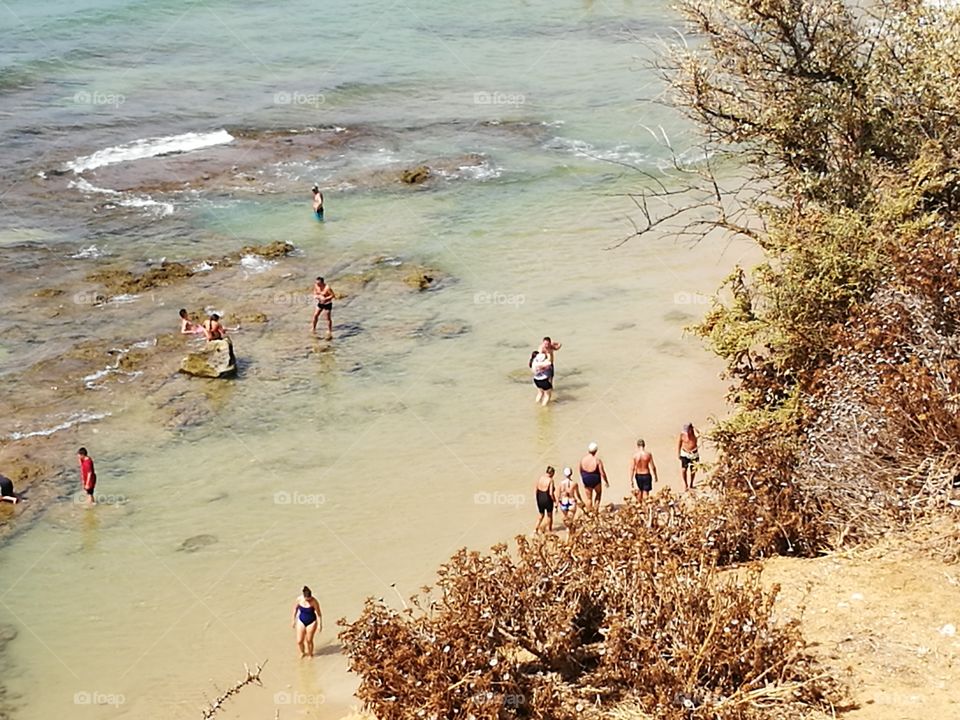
<point x="187" y="326"/>
<point x="568" y="496"/>
<point x="324" y="296"/>
<point x="88" y="475"/>
<point x="643" y="470"/>
<point x="546" y="496"/>
<point x="317" y="202"/>
<point x="6" y="491"/>
<point x="689" y="451"/>
<point x="591" y="473"/>
<point x="542" y="370"/>
<point x="213" y="329"/>
<point x="307" y="619"/>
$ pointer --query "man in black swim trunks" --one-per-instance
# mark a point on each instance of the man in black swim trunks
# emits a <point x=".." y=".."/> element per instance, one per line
<point x="643" y="470"/>
<point x="317" y="202"/>
<point x="324" y="296"/>
<point x="546" y="497"/>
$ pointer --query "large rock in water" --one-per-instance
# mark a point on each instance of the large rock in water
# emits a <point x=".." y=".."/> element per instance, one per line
<point x="215" y="360"/>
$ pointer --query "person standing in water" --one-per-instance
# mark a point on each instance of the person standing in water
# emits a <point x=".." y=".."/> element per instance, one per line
<point x="324" y="296"/>
<point x="542" y="369"/>
<point x="688" y="449"/>
<point x="317" y="202"/>
<point x="549" y="347"/>
<point x="546" y="497"/>
<point x="568" y="497"/>
<point x="88" y="475"/>
<point x="591" y="473"/>
<point x="307" y="619"/>
<point x="643" y="470"/>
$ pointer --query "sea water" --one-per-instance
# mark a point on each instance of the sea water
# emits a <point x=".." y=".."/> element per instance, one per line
<point x="357" y="466"/>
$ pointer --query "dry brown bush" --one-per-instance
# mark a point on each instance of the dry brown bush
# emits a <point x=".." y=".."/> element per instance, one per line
<point x="633" y="606"/>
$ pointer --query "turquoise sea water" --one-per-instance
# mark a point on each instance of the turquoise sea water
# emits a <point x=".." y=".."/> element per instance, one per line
<point x="395" y="447"/>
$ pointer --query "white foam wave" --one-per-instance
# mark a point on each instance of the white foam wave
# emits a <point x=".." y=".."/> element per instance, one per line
<point x="74" y="419"/>
<point x="256" y="264"/>
<point x="203" y="267"/>
<point x="149" y="147"/>
<point x="580" y="148"/>
<point x="87" y="253"/>
<point x="156" y="207"/>
<point x="124" y="299"/>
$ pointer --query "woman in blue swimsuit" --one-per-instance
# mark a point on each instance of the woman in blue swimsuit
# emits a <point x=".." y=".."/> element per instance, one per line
<point x="306" y="620"/>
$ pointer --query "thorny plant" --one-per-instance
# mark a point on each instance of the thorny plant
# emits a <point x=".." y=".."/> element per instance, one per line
<point x="633" y="606"/>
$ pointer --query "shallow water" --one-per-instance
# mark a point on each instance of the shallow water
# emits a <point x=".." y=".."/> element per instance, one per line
<point x="356" y="466"/>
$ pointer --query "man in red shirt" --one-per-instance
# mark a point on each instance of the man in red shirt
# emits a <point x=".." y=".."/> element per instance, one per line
<point x="88" y="476"/>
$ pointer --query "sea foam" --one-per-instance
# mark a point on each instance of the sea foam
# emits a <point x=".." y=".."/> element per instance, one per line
<point x="149" y="147"/>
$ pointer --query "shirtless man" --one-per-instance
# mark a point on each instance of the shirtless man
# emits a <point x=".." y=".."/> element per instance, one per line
<point x="568" y="497"/>
<point x="689" y="452"/>
<point x="213" y="329"/>
<point x="324" y="296"/>
<point x="317" y="202"/>
<point x="187" y="326"/>
<point x="546" y="497"/>
<point x="591" y="473"/>
<point x="88" y="475"/>
<point x="643" y="470"/>
<point x="549" y="347"/>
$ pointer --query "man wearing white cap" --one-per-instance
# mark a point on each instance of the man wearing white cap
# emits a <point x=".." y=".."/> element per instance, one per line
<point x="591" y="473"/>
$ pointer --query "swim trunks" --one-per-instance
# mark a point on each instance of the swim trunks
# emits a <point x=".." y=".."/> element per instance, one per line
<point x="689" y="457"/>
<point x="644" y="482"/>
<point x="324" y="306"/>
<point x="319" y="213"/>
<point x="544" y="502"/>
<point x="543" y="384"/>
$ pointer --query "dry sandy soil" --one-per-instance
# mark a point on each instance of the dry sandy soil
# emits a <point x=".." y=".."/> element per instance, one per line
<point x="884" y="621"/>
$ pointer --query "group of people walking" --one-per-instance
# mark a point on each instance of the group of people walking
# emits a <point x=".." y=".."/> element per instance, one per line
<point x="567" y="493"/>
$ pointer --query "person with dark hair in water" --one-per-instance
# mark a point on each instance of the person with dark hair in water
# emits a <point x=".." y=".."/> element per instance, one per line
<point x="317" y="202"/>
<point x="213" y="329"/>
<point x="307" y="619"/>
<point x="188" y="326"/>
<point x="541" y="368"/>
<point x="6" y="491"/>
<point x="88" y="475"/>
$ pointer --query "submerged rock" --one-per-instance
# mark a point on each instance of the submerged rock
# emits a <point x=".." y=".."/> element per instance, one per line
<point x="214" y="360"/>
<point x="197" y="542"/>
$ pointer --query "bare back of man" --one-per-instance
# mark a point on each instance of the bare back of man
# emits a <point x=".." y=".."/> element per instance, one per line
<point x="643" y="471"/>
